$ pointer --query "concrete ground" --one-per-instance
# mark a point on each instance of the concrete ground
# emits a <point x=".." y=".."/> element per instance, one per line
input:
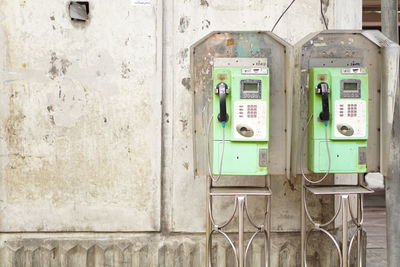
<point x="375" y="226"/>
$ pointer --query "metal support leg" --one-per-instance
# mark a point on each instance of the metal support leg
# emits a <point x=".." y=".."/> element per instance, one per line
<point x="303" y="226"/>
<point x="343" y="191"/>
<point x="241" y="200"/>
<point x="208" y="227"/>
<point x="268" y="244"/>
<point x="240" y="206"/>
<point x="359" y="229"/>
<point x="345" y="200"/>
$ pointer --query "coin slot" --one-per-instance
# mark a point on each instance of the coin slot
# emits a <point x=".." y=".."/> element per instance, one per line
<point x="244" y="130"/>
<point x="345" y="129"/>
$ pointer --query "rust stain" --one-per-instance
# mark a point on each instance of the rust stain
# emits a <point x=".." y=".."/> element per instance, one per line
<point x="204" y="3"/>
<point x="186" y="165"/>
<point x="216" y="45"/>
<point x="14" y="124"/>
<point x="222" y="76"/>
<point x="322" y="77"/>
<point x="230" y="42"/>
<point x="290" y="184"/>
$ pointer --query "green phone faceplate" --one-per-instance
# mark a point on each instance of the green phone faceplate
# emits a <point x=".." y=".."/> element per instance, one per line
<point x="243" y="155"/>
<point x="347" y="129"/>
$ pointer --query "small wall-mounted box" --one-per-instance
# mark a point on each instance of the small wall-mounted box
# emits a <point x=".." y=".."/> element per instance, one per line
<point x="79" y="10"/>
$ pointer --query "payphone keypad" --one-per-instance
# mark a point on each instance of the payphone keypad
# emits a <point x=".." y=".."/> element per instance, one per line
<point x="252" y="115"/>
<point x="352" y="110"/>
<point x="352" y="114"/>
<point x="251" y="111"/>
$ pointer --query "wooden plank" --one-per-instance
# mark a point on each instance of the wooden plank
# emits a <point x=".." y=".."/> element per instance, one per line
<point x="372" y="19"/>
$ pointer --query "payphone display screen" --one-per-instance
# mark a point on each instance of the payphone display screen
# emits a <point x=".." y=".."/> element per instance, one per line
<point x="350" y="87"/>
<point x="250" y="87"/>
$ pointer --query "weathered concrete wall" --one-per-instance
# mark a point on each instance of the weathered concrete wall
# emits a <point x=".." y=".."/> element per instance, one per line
<point x="80" y="118"/>
<point x="147" y="250"/>
<point x="97" y="135"/>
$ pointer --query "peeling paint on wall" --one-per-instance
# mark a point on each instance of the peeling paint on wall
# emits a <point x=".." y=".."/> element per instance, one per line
<point x="183" y="24"/>
<point x="186" y="83"/>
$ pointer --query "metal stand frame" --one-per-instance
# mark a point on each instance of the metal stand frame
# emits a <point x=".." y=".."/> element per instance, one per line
<point x="342" y="191"/>
<point x="239" y="195"/>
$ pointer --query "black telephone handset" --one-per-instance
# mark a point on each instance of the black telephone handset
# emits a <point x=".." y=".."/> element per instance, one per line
<point x="222" y="91"/>
<point x="323" y="90"/>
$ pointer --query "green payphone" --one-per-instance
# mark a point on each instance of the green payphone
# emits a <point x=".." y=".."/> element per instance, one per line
<point x="240" y="119"/>
<point x="338" y="130"/>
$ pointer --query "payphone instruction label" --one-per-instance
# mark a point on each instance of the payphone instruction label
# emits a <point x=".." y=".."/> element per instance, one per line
<point x="141" y="2"/>
<point x="255" y="71"/>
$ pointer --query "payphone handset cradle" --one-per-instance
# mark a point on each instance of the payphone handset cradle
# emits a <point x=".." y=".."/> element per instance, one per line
<point x="240" y="118"/>
<point x="323" y="90"/>
<point x="222" y="91"/>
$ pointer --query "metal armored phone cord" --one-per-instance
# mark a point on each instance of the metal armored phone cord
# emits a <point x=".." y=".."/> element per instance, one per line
<point x="327" y="149"/>
<point x="215" y="179"/>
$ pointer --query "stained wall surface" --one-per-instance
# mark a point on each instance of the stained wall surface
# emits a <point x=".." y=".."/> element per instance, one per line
<point x="80" y="118"/>
<point x="96" y="129"/>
